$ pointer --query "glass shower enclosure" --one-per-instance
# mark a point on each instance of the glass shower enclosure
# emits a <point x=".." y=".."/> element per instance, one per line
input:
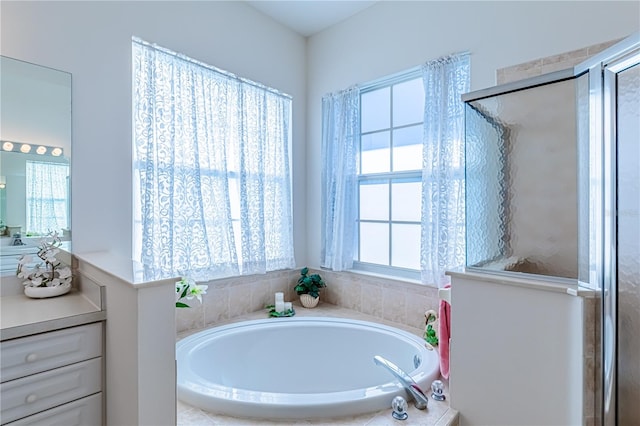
<point x="553" y="194"/>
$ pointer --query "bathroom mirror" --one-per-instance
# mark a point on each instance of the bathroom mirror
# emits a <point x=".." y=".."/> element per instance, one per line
<point x="521" y="180"/>
<point x="35" y="156"/>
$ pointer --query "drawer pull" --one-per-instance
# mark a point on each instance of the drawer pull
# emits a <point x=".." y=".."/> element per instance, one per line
<point x="32" y="357"/>
<point x="31" y="398"/>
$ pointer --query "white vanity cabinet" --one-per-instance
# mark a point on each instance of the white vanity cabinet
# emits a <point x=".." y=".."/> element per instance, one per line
<point x="53" y="378"/>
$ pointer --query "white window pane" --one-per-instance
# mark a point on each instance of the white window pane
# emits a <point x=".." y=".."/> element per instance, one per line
<point x="406" y="201"/>
<point x="375" y="110"/>
<point x="408" y="102"/>
<point x="374" y="243"/>
<point x="406" y="136"/>
<point x="374" y="201"/>
<point x="375" y="154"/>
<point x="407" y="158"/>
<point x="407" y="148"/>
<point x="405" y="246"/>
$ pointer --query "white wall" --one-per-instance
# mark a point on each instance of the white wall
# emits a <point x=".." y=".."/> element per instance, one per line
<point x="92" y="41"/>
<point x="516" y="354"/>
<point x="393" y="36"/>
<point x="36" y="104"/>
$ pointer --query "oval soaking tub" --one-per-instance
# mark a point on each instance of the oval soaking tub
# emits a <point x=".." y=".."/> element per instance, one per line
<point x="299" y="368"/>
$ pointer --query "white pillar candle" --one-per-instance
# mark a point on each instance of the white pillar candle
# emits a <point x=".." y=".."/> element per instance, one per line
<point x="279" y="306"/>
<point x="279" y="297"/>
<point x="287" y="306"/>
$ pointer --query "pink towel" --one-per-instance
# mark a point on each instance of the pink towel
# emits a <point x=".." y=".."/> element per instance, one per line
<point x="444" y="333"/>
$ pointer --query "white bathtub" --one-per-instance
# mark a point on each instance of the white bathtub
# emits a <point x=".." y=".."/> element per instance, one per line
<point x="298" y="368"/>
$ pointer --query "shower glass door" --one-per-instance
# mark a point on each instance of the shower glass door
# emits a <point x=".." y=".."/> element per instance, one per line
<point x="628" y="244"/>
<point x="622" y="297"/>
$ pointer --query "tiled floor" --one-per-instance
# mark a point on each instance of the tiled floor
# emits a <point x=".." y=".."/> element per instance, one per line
<point x="437" y="413"/>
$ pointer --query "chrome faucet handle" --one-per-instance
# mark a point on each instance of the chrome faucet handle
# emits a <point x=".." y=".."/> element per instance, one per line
<point x="399" y="406"/>
<point x="437" y="390"/>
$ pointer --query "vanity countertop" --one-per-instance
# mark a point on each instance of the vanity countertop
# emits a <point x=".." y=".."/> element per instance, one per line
<point x="22" y="316"/>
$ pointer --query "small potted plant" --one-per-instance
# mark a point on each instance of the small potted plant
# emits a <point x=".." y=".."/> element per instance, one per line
<point x="308" y="288"/>
<point x="48" y="278"/>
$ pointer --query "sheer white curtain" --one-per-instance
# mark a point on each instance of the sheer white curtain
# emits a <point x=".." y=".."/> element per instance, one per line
<point x="47" y="195"/>
<point x="264" y="181"/>
<point x="211" y="170"/>
<point x="443" y="209"/>
<point x="340" y="145"/>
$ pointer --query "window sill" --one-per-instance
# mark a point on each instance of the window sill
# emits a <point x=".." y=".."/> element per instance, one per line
<point x="387" y="277"/>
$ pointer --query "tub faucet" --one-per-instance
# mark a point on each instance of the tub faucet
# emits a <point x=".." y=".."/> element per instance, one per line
<point x="17" y="240"/>
<point x="419" y="397"/>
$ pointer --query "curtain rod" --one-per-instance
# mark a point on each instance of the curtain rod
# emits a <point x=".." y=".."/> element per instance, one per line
<point x="209" y="67"/>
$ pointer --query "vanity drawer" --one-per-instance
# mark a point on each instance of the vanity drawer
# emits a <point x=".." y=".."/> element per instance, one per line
<point x="38" y="392"/>
<point x="41" y="352"/>
<point x="83" y="412"/>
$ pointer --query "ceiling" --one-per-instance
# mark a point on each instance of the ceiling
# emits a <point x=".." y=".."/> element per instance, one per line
<point x="307" y="17"/>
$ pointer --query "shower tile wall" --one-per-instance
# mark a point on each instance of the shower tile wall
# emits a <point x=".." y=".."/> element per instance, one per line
<point x="396" y="301"/>
<point x="549" y="64"/>
<point x="591" y="314"/>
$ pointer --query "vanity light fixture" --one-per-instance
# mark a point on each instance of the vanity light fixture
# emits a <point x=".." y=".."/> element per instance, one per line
<point x="26" y="148"/>
<point x="3" y="182"/>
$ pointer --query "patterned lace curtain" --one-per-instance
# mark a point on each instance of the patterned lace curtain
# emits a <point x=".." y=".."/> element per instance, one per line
<point x="211" y="170"/>
<point x="47" y="196"/>
<point x="340" y="144"/>
<point x="443" y="209"/>
<point x="264" y="181"/>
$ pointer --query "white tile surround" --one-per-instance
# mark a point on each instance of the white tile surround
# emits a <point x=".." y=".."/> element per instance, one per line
<point x="438" y="413"/>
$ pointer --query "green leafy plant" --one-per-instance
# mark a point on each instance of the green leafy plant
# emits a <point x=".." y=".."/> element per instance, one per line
<point x="309" y="284"/>
<point x="430" y="336"/>
<point x="271" y="309"/>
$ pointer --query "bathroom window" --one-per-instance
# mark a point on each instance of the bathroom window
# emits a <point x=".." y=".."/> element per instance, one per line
<point x="212" y="185"/>
<point x="393" y="174"/>
<point x="390" y="176"/>
<point x="47" y="186"/>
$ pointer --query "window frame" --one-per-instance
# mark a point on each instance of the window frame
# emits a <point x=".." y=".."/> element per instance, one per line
<point x="389" y="177"/>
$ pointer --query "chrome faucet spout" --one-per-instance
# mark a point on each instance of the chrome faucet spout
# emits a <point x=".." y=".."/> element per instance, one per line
<point x="419" y="397"/>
